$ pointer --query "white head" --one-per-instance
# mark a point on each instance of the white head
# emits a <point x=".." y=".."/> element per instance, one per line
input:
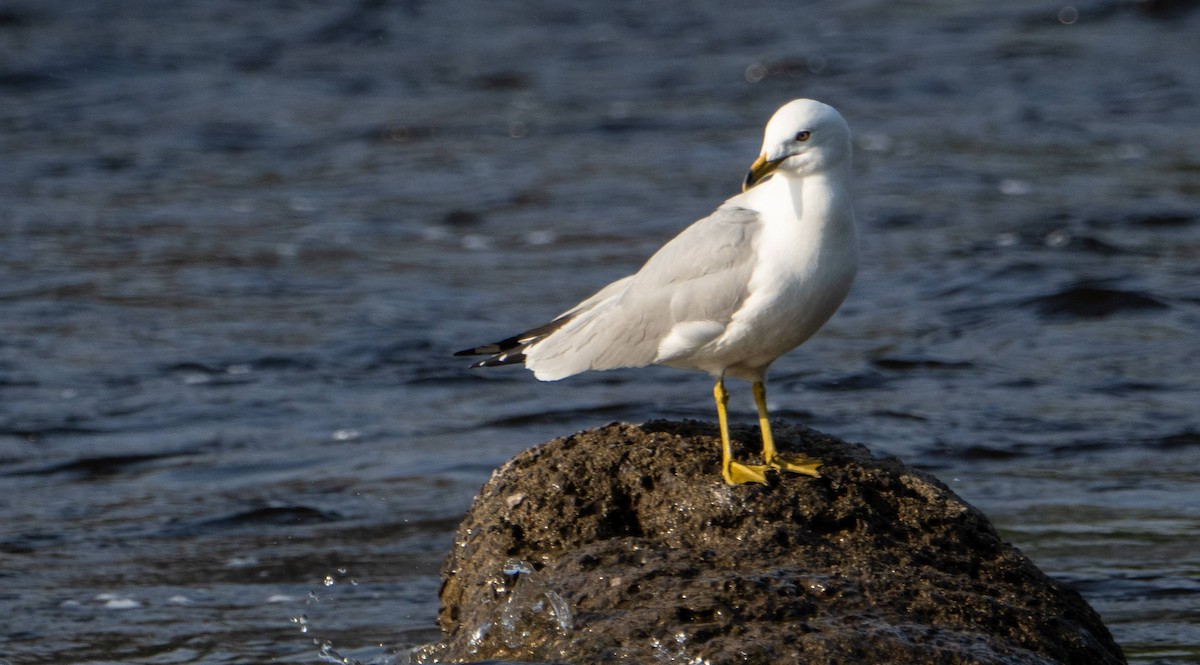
<point x="803" y="137"/>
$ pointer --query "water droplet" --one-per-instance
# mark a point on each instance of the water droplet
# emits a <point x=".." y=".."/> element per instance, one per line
<point x="302" y="622"/>
<point x="1068" y="15"/>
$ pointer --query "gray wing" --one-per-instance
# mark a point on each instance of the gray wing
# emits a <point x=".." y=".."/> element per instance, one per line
<point x="511" y="351"/>
<point x="700" y="275"/>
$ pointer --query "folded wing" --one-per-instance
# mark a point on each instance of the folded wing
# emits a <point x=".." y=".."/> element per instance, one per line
<point x="683" y="296"/>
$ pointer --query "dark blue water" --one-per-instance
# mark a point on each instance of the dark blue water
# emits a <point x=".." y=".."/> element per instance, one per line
<point x="239" y="241"/>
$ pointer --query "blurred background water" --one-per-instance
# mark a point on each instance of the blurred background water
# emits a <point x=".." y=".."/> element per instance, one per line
<point x="239" y="240"/>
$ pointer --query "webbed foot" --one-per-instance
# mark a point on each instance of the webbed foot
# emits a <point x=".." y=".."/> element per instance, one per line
<point x="796" y="463"/>
<point x="736" y="473"/>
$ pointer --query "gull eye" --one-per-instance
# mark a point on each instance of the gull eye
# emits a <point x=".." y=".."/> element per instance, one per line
<point x="802" y="136"/>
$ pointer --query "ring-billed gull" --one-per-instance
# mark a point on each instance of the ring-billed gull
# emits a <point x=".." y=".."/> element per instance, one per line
<point x="732" y="292"/>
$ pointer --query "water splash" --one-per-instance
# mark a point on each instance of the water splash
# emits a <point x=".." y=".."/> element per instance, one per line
<point x="327" y="653"/>
<point x="326" y="650"/>
<point x="526" y="599"/>
<point x="302" y="622"/>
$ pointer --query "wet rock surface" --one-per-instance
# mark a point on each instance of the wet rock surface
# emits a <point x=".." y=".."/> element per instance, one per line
<point x="622" y="544"/>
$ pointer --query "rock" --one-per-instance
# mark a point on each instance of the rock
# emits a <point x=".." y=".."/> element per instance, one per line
<point x="623" y="544"/>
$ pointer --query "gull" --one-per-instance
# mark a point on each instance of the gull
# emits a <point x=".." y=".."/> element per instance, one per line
<point x="731" y="293"/>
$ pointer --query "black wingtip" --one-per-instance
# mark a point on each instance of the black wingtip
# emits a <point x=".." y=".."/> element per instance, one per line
<point x="485" y="350"/>
<point x="501" y="360"/>
<point x="511" y="351"/>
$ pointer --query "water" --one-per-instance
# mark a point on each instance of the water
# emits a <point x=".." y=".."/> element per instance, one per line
<point x="240" y="240"/>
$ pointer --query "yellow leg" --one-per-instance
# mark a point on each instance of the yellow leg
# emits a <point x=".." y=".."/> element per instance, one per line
<point x="734" y="473"/>
<point x="794" y="463"/>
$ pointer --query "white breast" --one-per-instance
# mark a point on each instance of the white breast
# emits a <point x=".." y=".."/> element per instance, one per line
<point x="806" y="260"/>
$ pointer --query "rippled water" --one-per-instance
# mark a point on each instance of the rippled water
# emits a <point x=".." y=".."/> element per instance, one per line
<point x="238" y="242"/>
